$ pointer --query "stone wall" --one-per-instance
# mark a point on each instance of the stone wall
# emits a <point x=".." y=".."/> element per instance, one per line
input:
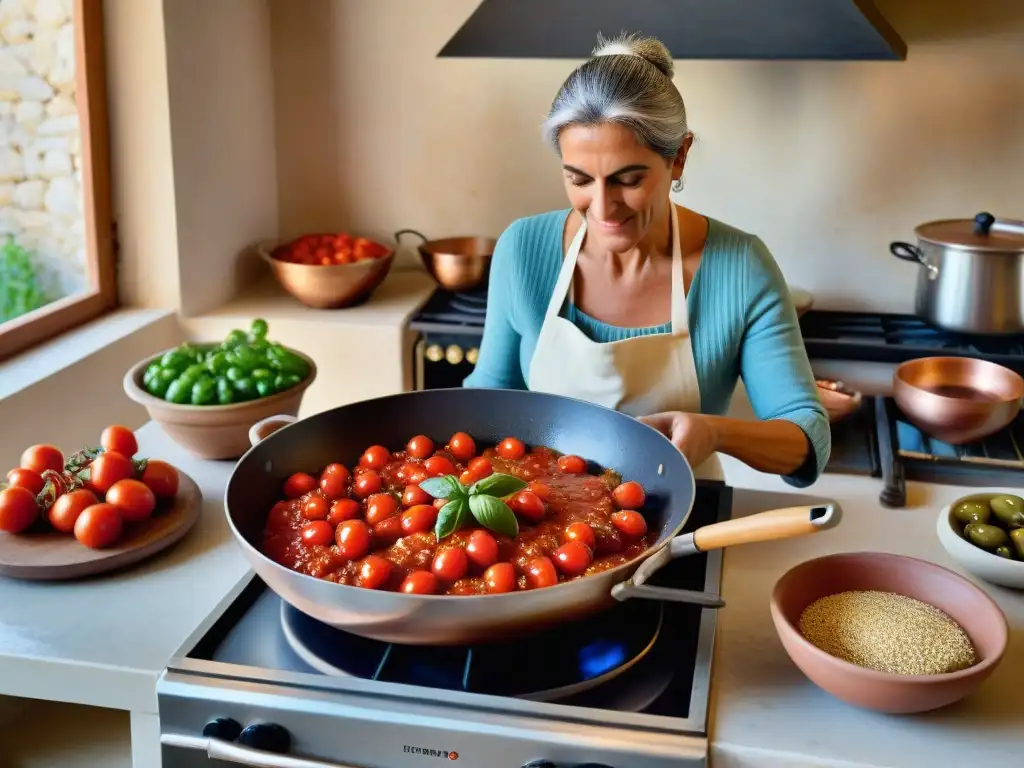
<point x="40" y="147"/>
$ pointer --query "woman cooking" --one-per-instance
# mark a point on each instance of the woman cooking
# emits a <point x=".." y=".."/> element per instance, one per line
<point x="634" y="303"/>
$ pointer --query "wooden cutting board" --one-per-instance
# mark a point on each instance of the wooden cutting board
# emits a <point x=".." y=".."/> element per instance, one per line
<point x="52" y="556"/>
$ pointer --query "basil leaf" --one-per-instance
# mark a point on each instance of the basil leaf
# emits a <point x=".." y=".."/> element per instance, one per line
<point x="442" y="487"/>
<point x="450" y="518"/>
<point x="494" y="514"/>
<point x="498" y="485"/>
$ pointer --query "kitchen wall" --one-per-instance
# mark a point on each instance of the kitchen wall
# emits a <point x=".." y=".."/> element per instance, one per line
<point x="828" y="162"/>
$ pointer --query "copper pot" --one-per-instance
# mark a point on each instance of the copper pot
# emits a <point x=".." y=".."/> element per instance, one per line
<point x="957" y="399"/>
<point x="456" y="263"/>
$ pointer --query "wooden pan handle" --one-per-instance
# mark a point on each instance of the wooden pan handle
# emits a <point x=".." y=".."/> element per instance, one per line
<point x="767" y="526"/>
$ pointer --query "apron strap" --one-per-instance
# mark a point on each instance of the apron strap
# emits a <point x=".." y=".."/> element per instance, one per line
<point x="564" y="282"/>
<point x="680" y="318"/>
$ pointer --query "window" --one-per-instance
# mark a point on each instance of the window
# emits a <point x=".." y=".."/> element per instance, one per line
<point x="56" y="228"/>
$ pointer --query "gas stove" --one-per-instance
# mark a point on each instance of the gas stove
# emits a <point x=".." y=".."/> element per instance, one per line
<point x="262" y="684"/>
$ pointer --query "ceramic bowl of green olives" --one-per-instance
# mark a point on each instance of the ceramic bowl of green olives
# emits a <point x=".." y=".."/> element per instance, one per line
<point x="984" y="532"/>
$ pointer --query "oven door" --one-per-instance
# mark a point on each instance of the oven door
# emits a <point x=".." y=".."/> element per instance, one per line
<point x="443" y="361"/>
<point x="179" y="751"/>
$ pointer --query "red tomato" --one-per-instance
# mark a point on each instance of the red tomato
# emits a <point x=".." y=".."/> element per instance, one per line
<point x="573" y="558"/>
<point x="582" y="533"/>
<point x="67" y="508"/>
<point x="374" y="572"/>
<point x="336" y="469"/>
<point x="420" y="447"/>
<point x="318" y="533"/>
<point x="332" y="484"/>
<point x="481" y="467"/>
<point x="133" y="499"/>
<point x="482" y="549"/>
<point x="100" y="525"/>
<point x="437" y="466"/>
<point x="450" y="564"/>
<point x="375" y="457"/>
<point x="629" y="495"/>
<point x="120" y="440"/>
<point x="106" y="469"/>
<point x="527" y="504"/>
<point x="539" y="489"/>
<point x="419" y="583"/>
<point x="389" y="530"/>
<point x="41" y="458"/>
<point x="511" y="448"/>
<point x="462" y="447"/>
<point x="630" y="522"/>
<point x="439" y="503"/>
<point x="413" y="495"/>
<point x="419" y="519"/>
<point x="161" y="478"/>
<point x="500" y="577"/>
<point x="467" y="478"/>
<point x="18" y="509"/>
<point x="380" y="506"/>
<point x="609" y="542"/>
<point x="353" y="539"/>
<point x="342" y="510"/>
<point x="28" y="479"/>
<point x="415" y="474"/>
<point x="316" y="508"/>
<point x="572" y="465"/>
<point x="540" y="572"/>
<point x="367" y="483"/>
<point x="299" y="484"/>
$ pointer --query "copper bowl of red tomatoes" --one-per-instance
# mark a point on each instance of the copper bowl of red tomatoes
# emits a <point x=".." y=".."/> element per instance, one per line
<point x="328" y="271"/>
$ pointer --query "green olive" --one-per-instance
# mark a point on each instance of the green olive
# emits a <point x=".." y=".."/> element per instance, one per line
<point x="1004" y="552"/>
<point x="1017" y="538"/>
<point x="986" y="536"/>
<point x="1009" y="510"/>
<point x="972" y="512"/>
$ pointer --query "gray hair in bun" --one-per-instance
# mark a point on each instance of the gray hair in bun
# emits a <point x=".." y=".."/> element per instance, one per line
<point x="628" y="81"/>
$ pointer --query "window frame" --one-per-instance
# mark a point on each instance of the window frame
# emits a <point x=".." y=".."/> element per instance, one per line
<point x="32" y="328"/>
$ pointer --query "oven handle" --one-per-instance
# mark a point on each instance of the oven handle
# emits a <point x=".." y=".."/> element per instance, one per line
<point x="218" y="749"/>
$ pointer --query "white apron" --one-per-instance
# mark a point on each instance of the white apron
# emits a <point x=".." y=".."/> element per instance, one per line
<point x="638" y="376"/>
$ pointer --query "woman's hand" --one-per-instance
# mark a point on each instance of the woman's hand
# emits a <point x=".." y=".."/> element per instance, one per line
<point x="693" y="434"/>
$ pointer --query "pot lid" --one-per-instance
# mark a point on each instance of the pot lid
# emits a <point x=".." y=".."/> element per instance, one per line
<point x="982" y="233"/>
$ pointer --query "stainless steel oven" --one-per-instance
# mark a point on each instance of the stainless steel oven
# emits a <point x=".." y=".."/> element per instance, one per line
<point x="449" y="330"/>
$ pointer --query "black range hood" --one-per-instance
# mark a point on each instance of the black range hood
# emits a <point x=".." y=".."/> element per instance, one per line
<point x="691" y="29"/>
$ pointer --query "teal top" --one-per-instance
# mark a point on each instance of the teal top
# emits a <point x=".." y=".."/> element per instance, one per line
<point x="742" y="324"/>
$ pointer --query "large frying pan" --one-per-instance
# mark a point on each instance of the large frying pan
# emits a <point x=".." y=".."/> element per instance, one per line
<point x="604" y="436"/>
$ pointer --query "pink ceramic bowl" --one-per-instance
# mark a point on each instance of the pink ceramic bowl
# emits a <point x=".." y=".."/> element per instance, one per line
<point x="969" y="606"/>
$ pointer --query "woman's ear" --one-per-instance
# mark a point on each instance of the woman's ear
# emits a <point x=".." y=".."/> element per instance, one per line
<point x="679" y="161"/>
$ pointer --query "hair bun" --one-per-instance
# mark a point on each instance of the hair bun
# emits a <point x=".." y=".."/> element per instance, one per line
<point x="651" y="49"/>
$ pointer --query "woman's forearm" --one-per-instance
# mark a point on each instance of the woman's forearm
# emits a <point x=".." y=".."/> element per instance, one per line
<point x="775" y="446"/>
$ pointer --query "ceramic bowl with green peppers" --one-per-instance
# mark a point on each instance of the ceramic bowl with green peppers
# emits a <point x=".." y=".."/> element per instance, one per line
<point x="985" y="533"/>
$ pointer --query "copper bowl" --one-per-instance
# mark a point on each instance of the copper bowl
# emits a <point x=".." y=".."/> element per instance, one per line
<point x="957" y="399"/>
<point x="978" y="615"/>
<point x="328" y="287"/>
<point x="455" y="263"/>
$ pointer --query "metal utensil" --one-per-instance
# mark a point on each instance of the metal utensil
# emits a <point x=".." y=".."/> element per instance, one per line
<point x="456" y="263"/>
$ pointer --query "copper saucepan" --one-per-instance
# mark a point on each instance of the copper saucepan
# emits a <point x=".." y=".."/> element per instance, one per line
<point x="957" y="399"/>
<point x="456" y="263"/>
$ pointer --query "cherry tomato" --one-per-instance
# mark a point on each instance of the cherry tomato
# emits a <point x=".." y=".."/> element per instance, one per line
<point x="415" y="474"/>
<point x="450" y="564"/>
<point x="18" y="509"/>
<point x="342" y="510"/>
<point x="420" y="447"/>
<point x="500" y="577"/>
<point x="332" y="484"/>
<point x="374" y="572"/>
<point x="629" y="495"/>
<point x="316" y="508"/>
<point x="367" y="483"/>
<point x="106" y="469"/>
<point x="582" y="533"/>
<point x="609" y="542"/>
<point x="481" y="467"/>
<point x="380" y="506"/>
<point x="419" y="583"/>
<point x="482" y="549"/>
<point x="528" y="505"/>
<point x="437" y="466"/>
<point x="419" y="519"/>
<point x="133" y="499"/>
<point x="99" y="526"/>
<point x="353" y="539"/>
<point x="439" y="503"/>
<point x="161" y="478"/>
<point x="28" y="479"/>
<point x="67" y="508"/>
<point x="375" y="457"/>
<point x="389" y="530"/>
<point x="318" y="533"/>
<point x="539" y="489"/>
<point x="299" y="484"/>
<point x="413" y="495"/>
<point x="336" y="469"/>
<point x="540" y="572"/>
<point x="572" y="465"/>
<point x="41" y="458"/>
<point x="461" y="446"/>
<point x="120" y="440"/>
<point x="467" y="478"/>
<point x="630" y="522"/>
<point x="511" y="448"/>
<point x="573" y="558"/>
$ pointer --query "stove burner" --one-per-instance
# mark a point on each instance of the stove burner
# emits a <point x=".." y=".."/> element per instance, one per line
<point x="563" y="661"/>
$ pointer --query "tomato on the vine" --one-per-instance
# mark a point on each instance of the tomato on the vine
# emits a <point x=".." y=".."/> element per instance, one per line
<point x="18" y="509"/>
<point x="120" y="440"/>
<point x="99" y="526"/>
<point x="28" y="479"/>
<point x="66" y="509"/>
<point x="161" y="478"/>
<point x="106" y="469"/>
<point x="41" y="458"/>
<point x="133" y="499"/>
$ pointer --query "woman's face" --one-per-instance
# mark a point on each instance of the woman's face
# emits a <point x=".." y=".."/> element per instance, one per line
<point x="621" y="186"/>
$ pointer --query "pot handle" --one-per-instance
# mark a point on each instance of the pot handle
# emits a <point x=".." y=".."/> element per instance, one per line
<point x="765" y="526"/>
<point x="399" y="233"/>
<point x="909" y="252"/>
<point x="264" y="428"/>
